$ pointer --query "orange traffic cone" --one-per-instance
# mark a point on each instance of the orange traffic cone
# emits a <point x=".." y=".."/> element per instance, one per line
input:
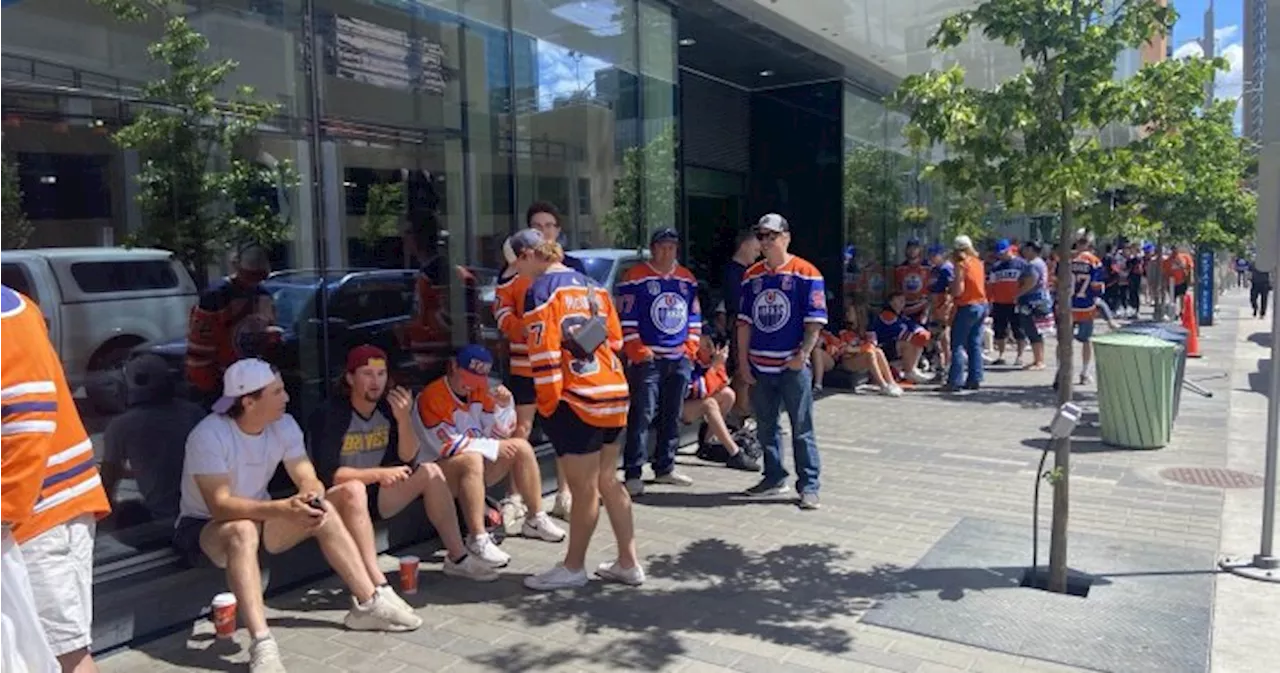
<point x="1193" y="328"/>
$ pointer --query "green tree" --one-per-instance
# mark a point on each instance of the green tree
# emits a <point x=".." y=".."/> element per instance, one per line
<point x="1035" y="141"/>
<point x="198" y="194"/>
<point x="17" y="228"/>
<point x="644" y="197"/>
<point x="383" y="211"/>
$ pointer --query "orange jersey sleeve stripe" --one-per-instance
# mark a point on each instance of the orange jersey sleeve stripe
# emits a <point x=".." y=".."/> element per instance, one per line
<point x="509" y="312"/>
<point x="46" y="427"/>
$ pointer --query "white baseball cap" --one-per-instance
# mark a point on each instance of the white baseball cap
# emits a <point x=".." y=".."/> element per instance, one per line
<point x="242" y="378"/>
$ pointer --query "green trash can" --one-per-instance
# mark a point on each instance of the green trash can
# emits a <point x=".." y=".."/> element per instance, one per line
<point x="1137" y="375"/>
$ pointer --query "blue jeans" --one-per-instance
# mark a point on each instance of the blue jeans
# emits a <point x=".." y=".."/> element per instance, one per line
<point x="966" y="340"/>
<point x="792" y="391"/>
<point x="658" y="389"/>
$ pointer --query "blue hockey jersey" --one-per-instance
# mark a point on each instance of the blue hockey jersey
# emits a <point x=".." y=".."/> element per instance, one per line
<point x="777" y="303"/>
<point x="659" y="313"/>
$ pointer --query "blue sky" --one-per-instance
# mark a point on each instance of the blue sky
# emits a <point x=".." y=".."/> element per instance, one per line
<point x="1229" y="39"/>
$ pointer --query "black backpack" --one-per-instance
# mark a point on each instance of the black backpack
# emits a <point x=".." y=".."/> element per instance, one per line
<point x="711" y="450"/>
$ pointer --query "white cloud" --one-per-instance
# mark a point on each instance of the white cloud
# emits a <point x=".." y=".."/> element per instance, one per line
<point x="1226" y="84"/>
<point x="1225" y="33"/>
<point x="1191" y="49"/>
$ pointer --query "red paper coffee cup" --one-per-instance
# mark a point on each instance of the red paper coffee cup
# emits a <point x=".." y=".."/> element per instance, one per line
<point x="409" y="574"/>
<point x="224" y="614"/>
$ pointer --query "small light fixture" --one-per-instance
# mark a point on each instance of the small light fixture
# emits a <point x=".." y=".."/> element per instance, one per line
<point x="687" y="42"/>
<point x="766" y="73"/>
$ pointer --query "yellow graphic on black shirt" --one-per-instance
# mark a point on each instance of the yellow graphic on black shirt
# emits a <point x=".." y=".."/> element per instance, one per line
<point x="373" y="439"/>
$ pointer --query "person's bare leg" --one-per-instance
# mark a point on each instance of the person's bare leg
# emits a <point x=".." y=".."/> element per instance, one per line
<point x="233" y="546"/>
<point x="910" y="355"/>
<point x="465" y="473"/>
<point x="1037" y="354"/>
<point x="880" y="367"/>
<point x="526" y="477"/>
<point x="351" y="500"/>
<point x="78" y="661"/>
<point x="710" y="411"/>
<point x="583" y="473"/>
<point x="429" y="482"/>
<point x="617" y="504"/>
<point x="741" y="391"/>
<point x="944" y="344"/>
<point x="822" y="363"/>
<point x="1086" y="356"/>
<point x="339" y="549"/>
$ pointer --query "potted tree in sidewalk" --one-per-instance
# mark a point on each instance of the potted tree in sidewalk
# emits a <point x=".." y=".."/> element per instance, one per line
<point x="198" y="191"/>
<point x="17" y="228"/>
<point x="1036" y="140"/>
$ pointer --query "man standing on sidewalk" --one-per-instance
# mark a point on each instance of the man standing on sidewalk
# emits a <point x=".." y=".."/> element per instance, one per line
<point x="661" y="327"/>
<point x="780" y="318"/>
<point x="50" y="489"/>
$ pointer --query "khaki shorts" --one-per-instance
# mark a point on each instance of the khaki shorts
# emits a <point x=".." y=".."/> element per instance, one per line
<point x="60" y="563"/>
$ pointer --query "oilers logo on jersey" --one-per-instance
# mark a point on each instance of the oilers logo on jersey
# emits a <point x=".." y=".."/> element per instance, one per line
<point x="771" y="310"/>
<point x="669" y="313"/>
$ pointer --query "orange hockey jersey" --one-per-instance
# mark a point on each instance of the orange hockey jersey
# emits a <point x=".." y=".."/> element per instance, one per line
<point x="596" y="389"/>
<point x="49" y="472"/>
<point x="508" y="310"/>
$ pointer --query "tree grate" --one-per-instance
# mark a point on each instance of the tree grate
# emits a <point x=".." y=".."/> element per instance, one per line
<point x="1212" y="477"/>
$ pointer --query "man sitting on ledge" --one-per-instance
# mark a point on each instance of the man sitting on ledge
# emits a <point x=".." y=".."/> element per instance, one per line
<point x="466" y="429"/>
<point x="363" y="439"/>
<point x="226" y="511"/>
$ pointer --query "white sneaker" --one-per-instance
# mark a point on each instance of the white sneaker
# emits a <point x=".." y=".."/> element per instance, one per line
<point x="380" y="615"/>
<point x="917" y="376"/>
<point x="513" y="513"/>
<point x="891" y="390"/>
<point x="470" y="567"/>
<point x="558" y="577"/>
<point x="487" y="550"/>
<point x="611" y="571"/>
<point x="264" y="657"/>
<point x="635" y="487"/>
<point x="673" y="478"/>
<point x="562" y="505"/>
<point x="541" y="527"/>
<point x="387" y="593"/>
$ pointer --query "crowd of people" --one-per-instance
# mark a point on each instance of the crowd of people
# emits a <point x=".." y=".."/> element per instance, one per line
<point x="597" y="372"/>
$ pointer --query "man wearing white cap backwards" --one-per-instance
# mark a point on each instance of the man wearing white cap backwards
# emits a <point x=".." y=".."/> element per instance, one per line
<point x="226" y="511"/>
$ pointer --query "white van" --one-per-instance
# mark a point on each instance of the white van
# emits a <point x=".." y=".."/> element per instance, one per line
<point x="101" y="302"/>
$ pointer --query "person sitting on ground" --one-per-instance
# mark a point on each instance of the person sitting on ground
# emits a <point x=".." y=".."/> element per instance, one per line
<point x="466" y="429"/>
<point x="860" y="351"/>
<point x="364" y="439"/>
<point x="226" y="510"/>
<point x="710" y="398"/>
<point x="901" y="338"/>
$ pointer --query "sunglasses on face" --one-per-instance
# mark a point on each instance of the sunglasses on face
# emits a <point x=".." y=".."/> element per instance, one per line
<point x="763" y="236"/>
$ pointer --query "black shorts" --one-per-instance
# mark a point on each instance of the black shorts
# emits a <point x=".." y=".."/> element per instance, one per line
<point x="522" y="389"/>
<point x="1004" y="318"/>
<point x="571" y="436"/>
<point x="1028" y="324"/>
<point x="1179" y="290"/>
<point x="186" y="539"/>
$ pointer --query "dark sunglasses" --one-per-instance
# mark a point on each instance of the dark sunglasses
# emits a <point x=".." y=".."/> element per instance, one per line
<point x="767" y="235"/>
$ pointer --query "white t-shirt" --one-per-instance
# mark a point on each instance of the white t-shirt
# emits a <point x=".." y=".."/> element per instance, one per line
<point x="218" y="446"/>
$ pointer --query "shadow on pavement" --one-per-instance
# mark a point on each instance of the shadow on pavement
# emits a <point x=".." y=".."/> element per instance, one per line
<point x="1260" y="380"/>
<point x="1261" y="338"/>
<point x="782" y="596"/>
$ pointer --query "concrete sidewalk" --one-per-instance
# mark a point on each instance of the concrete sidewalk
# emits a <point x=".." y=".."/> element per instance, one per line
<point x="742" y="585"/>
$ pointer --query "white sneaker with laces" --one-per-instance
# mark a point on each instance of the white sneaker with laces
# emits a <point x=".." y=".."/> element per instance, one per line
<point x="673" y="478"/>
<point x="264" y="656"/>
<point x="380" y="615"/>
<point x="916" y="376"/>
<point x="613" y="572"/>
<point x="387" y="593"/>
<point x="891" y="390"/>
<point x="541" y="527"/>
<point x="487" y="550"/>
<point x="559" y="577"/>
<point x="470" y="567"/>
<point x="563" y="505"/>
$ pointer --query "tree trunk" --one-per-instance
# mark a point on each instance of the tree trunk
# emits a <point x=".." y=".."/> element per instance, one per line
<point x="1062" y="447"/>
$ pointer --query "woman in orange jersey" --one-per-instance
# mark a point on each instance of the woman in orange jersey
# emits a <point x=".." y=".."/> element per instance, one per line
<point x="573" y="334"/>
<point x="508" y="310"/>
<point x="969" y="292"/>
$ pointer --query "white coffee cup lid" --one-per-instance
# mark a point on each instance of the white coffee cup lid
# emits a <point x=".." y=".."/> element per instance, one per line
<point x="224" y="599"/>
<point x="409" y="559"/>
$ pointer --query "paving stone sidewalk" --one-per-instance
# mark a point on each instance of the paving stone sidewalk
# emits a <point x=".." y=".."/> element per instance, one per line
<point x="741" y="585"/>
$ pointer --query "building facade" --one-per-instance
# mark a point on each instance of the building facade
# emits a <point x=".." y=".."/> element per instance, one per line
<point x="1255" y="66"/>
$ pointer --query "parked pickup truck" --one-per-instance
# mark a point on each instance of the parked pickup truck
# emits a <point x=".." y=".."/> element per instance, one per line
<point x="100" y="303"/>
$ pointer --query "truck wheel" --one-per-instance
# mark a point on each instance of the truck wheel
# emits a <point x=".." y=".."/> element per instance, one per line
<point x="105" y="386"/>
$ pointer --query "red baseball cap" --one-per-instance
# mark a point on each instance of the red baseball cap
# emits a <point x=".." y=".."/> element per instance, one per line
<point x="361" y="356"/>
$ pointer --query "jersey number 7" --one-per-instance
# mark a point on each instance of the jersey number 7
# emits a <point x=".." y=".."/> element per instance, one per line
<point x="1082" y="282"/>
